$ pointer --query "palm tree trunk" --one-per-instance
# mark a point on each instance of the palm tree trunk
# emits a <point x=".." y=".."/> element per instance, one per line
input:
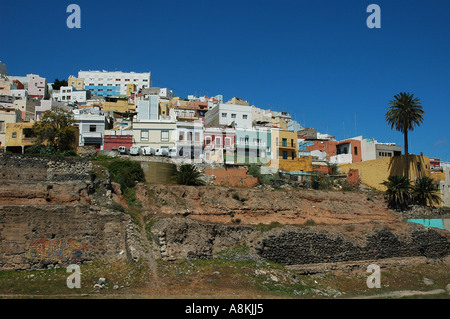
<point x="406" y="168"/>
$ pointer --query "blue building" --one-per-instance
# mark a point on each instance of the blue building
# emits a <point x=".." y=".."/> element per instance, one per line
<point x="103" y="90"/>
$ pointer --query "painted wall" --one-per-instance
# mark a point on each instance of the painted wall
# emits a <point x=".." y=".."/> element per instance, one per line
<point x="374" y="172"/>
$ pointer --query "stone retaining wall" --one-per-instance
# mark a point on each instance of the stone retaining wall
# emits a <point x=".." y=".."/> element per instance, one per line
<point x="34" y="237"/>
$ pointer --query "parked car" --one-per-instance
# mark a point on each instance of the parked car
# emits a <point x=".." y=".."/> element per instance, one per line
<point x="147" y="150"/>
<point x="161" y="152"/>
<point x="135" y="150"/>
<point x="123" y="150"/>
<point x="172" y="152"/>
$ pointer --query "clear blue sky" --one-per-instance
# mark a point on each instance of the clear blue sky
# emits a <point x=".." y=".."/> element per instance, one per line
<point x="316" y="59"/>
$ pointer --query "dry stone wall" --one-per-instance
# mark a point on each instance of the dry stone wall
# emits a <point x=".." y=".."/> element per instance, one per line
<point x="185" y="238"/>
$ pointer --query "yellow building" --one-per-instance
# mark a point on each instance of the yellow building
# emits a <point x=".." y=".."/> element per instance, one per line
<point x="18" y="136"/>
<point x="285" y="152"/>
<point x="118" y="104"/>
<point x="131" y="88"/>
<point x="374" y="172"/>
<point x="164" y="107"/>
<point x="78" y="84"/>
<point x="7" y="116"/>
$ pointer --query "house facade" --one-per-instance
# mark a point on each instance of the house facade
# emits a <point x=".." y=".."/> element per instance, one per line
<point x="219" y="145"/>
<point x="228" y="114"/>
<point x="159" y="134"/>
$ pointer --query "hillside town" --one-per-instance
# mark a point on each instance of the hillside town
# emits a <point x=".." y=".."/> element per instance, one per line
<point x="122" y="111"/>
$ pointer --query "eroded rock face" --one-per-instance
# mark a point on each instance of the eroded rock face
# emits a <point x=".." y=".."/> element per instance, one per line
<point x="253" y="206"/>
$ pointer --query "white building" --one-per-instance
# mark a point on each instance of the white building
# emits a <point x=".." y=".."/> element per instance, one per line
<point x="91" y="124"/>
<point x="372" y="149"/>
<point x="189" y="142"/>
<point x="22" y="94"/>
<point x="226" y="114"/>
<point x="148" y="109"/>
<point x="47" y="105"/>
<point x="68" y="94"/>
<point x="115" y="83"/>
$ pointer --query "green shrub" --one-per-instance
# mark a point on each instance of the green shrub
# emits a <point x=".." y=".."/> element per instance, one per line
<point x="125" y="172"/>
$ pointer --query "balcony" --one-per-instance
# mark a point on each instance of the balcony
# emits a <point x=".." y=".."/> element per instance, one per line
<point x="287" y="145"/>
<point x="92" y="135"/>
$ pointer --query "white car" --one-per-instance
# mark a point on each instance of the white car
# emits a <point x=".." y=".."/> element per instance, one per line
<point x="134" y="150"/>
<point x="161" y="152"/>
<point x="122" y="150"/>
<point x="172" y="152"/>
<point x="147" y="150"/>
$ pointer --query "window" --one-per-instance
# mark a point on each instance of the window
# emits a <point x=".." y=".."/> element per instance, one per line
<point x="224" y="114"/>
<point x="208" y="140"/>
<point x="244" y="116"/>
<point x="285" y="155"/>
<point x="197" y="136"/>
<point x="218" y="141"/>
<point x="92" y="128"/>
<point x="284" y="142"/>
<point x="233" y="116"/>
<point x="181" y="136"/>
<point x="144" y="135"/>
<point x="227" y="141"/>
<point x="2" y="126"/>
<point x="14" y="134"/>
<point x="355" y="150"/>
<point x="164" y="135"/>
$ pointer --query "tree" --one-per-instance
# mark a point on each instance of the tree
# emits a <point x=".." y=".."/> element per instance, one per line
<point x="397" y="193"/>
<point x="404" y="112"/>
<point x="187" y="174"/>
<point x="424" y="192"/>
<point x="56" y="130"/>
<point x="57" y="84"/>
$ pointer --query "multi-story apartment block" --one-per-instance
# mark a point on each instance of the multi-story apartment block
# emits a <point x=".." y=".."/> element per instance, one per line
<point x="106" y="83"/>
<point x="76" y="83"/>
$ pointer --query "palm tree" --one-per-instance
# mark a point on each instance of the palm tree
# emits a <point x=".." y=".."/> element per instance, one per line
<point x="398" y="192"/>
<point x="187" y="174"/>
<point x="404" y="112"/>
<point x="424" y="192"/>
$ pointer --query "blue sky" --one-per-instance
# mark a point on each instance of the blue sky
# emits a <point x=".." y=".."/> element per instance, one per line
<point x="315" y="59"/>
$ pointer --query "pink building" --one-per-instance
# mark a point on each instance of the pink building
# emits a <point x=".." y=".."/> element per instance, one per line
<point x="37" y="86"/>
<point x="219" y="144"/>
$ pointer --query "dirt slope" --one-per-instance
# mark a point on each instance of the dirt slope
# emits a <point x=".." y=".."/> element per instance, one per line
<point x="254" y="206"/>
